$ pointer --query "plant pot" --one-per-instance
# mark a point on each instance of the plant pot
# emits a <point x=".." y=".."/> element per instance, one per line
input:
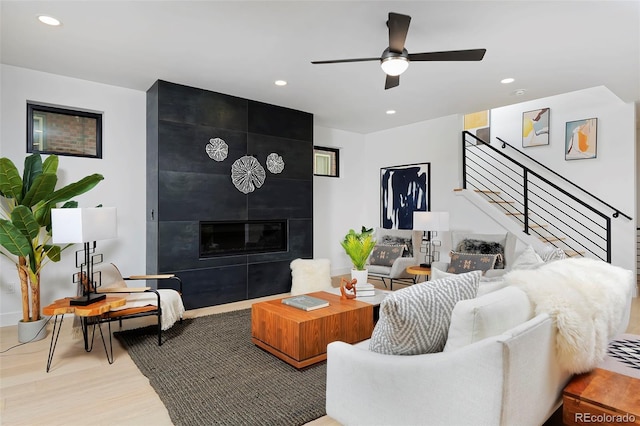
<point x="361" y="276"/>
<point x="32" y="331"/>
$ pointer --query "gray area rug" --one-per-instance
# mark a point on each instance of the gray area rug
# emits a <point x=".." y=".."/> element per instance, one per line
<point x="207" y="372"/>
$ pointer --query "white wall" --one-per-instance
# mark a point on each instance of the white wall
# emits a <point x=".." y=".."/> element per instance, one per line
<point x="123" y="166"/>
<point x="337" y="202"/>
<point x="611" y="176"/>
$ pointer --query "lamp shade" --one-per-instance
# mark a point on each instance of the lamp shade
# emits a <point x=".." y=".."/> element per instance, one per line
<point x="431" y="221"/>
<point x="83" y="225"/>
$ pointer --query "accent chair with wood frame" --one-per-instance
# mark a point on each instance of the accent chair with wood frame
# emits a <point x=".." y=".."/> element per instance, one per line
<point x="165" y="304"/>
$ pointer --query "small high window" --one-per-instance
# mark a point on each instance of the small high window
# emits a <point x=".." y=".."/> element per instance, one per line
<point x="326" y="161"/>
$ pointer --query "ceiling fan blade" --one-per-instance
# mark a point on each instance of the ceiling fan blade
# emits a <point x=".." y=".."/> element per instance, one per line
<point x="392" y="81"/>
<point x="449" y="55"/>
<point x="398" y="27"/>
<point x="338" y="61"/>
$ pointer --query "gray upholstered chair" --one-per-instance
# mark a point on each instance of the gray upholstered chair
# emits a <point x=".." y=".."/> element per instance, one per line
<point x="507" y="241"/>
<point x="396" y="269"/>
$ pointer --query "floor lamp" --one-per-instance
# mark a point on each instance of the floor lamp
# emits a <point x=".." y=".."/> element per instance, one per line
<point x="432" y="222"/>
<point x="85" y="225"/>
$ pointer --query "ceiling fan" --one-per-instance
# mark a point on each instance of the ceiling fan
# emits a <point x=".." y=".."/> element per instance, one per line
<point x="395" y="58"/>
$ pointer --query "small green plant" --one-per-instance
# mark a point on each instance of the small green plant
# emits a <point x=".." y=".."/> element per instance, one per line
<point x="358" y="246"/>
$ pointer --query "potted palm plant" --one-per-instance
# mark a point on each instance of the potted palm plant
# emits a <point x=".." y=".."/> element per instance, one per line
<point x="25" y="224"/>
<point x="358" y="246"/>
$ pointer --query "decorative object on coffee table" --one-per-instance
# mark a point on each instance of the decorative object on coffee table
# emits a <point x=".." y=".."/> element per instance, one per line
<point x="348" y="288"/>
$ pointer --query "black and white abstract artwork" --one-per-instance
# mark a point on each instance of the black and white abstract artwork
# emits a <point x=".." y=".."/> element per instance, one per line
<point x="403" y="190"/>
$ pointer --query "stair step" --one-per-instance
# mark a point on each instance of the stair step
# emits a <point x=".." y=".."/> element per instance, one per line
<point x="486" y="191"/>
<point x="573" y="253"/>
<point x="539" y="226"/>
<point x="552" y="239"/>
<point x="501" y="202"/>
<point x="514" y="214"/>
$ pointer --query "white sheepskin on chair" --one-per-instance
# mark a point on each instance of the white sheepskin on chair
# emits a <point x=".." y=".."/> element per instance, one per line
<point x="309" y="275"/>
<point x="587" y="299"/>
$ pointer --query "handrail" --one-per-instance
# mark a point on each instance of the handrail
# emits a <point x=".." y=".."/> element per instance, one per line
<point x="526" y="173"/>
<point x="545" y="180"/>
<point x="616" y="211"/>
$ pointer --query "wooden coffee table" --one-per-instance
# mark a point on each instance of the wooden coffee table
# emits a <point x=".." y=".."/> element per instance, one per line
<point x="300" y="337"/>
<point x="601" y="397"/>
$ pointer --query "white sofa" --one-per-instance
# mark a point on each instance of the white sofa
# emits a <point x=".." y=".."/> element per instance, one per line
<point x="486" y="375"/>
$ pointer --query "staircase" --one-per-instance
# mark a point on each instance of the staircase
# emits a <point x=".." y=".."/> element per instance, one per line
<point x="536" y="200"/>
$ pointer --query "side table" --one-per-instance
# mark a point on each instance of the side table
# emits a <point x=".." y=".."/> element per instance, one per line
<point x="601" y="396"/>
<point x="63" y="306"/>
<point x="419" y="270"/>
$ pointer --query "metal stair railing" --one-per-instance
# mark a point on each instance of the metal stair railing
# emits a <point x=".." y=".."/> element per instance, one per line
<point x="543" y="208"/>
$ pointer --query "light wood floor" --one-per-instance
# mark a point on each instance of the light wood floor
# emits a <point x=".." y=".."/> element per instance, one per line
<point x="82" y="388"/>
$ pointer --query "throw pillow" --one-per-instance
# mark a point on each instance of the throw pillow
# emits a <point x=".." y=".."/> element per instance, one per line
<point x="488" y="285"/>
<point x="385" y="255"/>
<point x="490" y="315"/>
<point x="415" y="320"/>
<point x="392" y="240"/>
<point x="465" y="262"/>
<point x="528" y="259"/>
<point x="552" y="253"/>
<point x="469" y="245"/>
<point x="436" y="274"/>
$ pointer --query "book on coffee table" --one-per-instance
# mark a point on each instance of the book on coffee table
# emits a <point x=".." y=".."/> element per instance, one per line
<point x="306" y="303"/>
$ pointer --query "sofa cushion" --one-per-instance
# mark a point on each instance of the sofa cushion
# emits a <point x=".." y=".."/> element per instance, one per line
<point x="466" y="262"/>
<point x="490" y="284"/>
<point x="489" y="315"/>
<point x="528" y="259"/>
<point x="386" y="254"/>
<point x="472" y="245"/>
<point x="415" y="320"/>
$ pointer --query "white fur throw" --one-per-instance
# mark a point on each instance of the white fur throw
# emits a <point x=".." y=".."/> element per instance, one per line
<point x="309" y="275"/>
<point x="587" y="300"/>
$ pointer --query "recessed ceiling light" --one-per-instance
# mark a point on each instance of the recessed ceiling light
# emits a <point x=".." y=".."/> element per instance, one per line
<point x="281" y="83"/>
<point x="391" y="111"/>
<point x="507" y="80"/>
<point x="49" y="20"/>
<point x="519" y="92"/>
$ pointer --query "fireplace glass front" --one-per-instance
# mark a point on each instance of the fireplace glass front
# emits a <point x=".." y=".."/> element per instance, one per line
<point x="242" y="237"/>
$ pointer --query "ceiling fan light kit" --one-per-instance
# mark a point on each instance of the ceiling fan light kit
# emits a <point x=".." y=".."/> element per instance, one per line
<point x="393" y="63"/>
<point x="395" y="58"/>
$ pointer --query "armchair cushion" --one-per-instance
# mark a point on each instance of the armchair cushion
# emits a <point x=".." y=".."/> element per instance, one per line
<point x="385" y="255"/>
<point x="507" y="240"/>
<point x="415" y="320"/>
<point x="466" y="262"/>
<point x="472" y="245"/>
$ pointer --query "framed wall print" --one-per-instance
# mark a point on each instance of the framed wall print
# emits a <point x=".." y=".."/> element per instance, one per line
<point x="403" y="190"/>
<point x="581" y="139"/>
<point x="535" y="127"/>
<point x="479" y="124"/>
<point x="62" y="131"/>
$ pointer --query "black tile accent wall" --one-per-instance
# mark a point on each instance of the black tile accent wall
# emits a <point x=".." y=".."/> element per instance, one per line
<point x="185" y="186"/>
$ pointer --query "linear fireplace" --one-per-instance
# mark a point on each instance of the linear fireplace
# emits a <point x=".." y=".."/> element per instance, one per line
<point x="242" y="237"/>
